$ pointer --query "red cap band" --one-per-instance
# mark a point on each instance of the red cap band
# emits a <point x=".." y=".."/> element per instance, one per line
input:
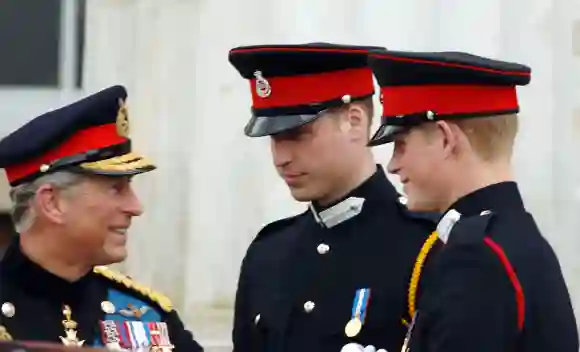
<point x="81" y="142"/>
<point x="288" y="91"/>
<point x="447" y="99"/>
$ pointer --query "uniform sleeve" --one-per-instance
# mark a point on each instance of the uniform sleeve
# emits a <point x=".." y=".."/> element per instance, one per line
<point x="181" y="338"/>
<point x="475" y="307"/>
<point x="242" y="329"/>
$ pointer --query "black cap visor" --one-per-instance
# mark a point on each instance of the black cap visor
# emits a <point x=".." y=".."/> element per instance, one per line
<point x="386" y="134"/>
<point x="260" y="126"/>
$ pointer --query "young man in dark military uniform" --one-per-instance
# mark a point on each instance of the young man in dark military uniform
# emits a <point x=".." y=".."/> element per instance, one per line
<point x="339" y="272"/>
<point x="497" y="284"/>
<point x="70" y="172"/>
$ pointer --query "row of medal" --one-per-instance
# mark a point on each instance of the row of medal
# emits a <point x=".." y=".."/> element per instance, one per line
<point x="135" y="335"/>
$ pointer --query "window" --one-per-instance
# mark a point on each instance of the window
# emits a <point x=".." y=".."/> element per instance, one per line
<point x="42" y="43"/>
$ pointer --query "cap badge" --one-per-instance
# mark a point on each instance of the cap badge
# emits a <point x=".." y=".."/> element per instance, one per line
<point x="122" y="120"/>
<point x="263" y="88"/>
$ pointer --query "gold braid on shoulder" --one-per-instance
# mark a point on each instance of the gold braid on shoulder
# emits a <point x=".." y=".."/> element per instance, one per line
<point x="163" y="301"/>
<point x="416" y="275"/>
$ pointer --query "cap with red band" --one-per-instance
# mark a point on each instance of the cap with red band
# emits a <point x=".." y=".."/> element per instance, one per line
<point x="421" y="87"/>
<point x="292" y="84"/>
<point x="91" y="135"/>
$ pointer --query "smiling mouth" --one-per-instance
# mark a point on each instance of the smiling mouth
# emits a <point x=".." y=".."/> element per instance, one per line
<point x="120" y="230"/>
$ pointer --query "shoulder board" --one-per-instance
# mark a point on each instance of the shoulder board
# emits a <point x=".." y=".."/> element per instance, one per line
<point x="473" y="228"/>
<point x="163" y="301"/>
<point x="276" y="225"/>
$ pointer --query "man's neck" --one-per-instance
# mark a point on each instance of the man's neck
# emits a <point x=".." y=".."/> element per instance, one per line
<point x="51" y="256"/>
<point x="360" y="173"/>
<point x="477" y="177"/>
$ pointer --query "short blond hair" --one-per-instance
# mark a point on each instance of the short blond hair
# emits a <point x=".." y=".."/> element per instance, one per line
<point x="491" y="137"/>
<point x="367" y="105"/>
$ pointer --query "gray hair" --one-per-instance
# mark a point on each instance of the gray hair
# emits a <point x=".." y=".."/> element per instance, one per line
<point x="23" y="215"/>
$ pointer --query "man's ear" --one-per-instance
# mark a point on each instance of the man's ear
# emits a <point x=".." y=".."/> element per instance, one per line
<point x="357" y="122"/>
<point x="450" y="136"/>
<point x="48" y="203"/>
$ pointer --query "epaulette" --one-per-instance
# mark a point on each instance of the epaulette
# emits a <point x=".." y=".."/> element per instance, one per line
<point x="276" y="225"/>
<point x="163" y="301"/>
<point x="476" y="229"/>
<point x="473" y="229"/>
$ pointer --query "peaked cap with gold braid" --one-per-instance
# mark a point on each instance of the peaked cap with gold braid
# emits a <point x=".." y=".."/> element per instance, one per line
<point x="160" y="299"/>
<point x="90" y="135"/>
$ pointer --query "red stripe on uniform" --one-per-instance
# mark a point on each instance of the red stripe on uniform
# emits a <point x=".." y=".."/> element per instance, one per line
<point x="520" y="300"/>
<point x="447" y="99"/>
<point x="314" y="88"/>
<point x="81" y="142"/>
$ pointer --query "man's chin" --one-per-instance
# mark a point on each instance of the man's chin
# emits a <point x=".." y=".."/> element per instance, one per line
<point x="115" y="256"/>
<point x="302" y="194"/>
<point x="423" y="205"/>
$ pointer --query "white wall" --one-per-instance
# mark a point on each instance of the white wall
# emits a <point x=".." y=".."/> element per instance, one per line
<point x="18" y="106"/>
<point x="215" y="188"/>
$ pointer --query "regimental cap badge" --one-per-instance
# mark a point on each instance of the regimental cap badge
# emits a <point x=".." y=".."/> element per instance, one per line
<point x="263" y="88"/>
<point x="123" y="119"/>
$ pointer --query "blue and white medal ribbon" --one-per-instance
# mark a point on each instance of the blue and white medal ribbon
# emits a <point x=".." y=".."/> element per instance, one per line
<point x="359" y="310"/>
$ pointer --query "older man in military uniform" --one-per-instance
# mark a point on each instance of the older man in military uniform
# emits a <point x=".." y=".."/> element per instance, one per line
<point x="70" y="171"/>
<point x="339" y="272"/>
<point x="497" y="284"/>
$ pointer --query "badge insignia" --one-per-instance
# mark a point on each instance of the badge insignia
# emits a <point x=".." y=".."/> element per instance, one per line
<point x="263" y="88"/>
<point x="71" y="339"/>
<point x="122" y="120"/>
<point x="70" y="327"/>
<point x="133" y="312"/>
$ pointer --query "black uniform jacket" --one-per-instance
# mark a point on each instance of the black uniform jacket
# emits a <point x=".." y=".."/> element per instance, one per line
<point x="107" y="307"/>
<point x="496" y="285"/>
<point x="300" y="275"/>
